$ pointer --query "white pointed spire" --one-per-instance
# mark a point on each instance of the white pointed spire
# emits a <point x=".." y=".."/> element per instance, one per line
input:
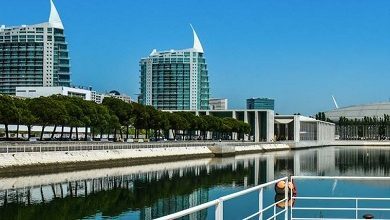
<point x="54" y="18"/>
<point x="197" y="45"/>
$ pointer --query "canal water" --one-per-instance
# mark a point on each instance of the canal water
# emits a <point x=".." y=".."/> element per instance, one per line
<point x="151" y="191"/>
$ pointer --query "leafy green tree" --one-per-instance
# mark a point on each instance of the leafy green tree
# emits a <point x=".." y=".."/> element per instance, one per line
<point x="48" y="111"/>
<point x="8" y="112"/>
<point x="121" y="109"/>
<point x="178" y="123"/>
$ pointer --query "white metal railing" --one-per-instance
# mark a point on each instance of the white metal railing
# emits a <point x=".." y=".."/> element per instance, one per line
<point x="88" y="146"/>
<point x="18" y="147"/>
<point x="357" y="210"/>
<point x="218" y="204"/>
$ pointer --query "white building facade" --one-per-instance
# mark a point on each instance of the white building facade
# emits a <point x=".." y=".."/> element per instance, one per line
<point x="86" y="94"/>
<point x="35" y="92"/>
<point x="218" y="104"/>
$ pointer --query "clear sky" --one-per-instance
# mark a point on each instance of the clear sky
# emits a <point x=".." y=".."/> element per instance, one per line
<point x="299" y="52"/>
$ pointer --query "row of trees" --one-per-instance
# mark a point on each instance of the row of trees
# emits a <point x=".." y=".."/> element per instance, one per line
<point x="371" y="128"/>
<point x="368" y="128"/>
<point x="113" y="117"/>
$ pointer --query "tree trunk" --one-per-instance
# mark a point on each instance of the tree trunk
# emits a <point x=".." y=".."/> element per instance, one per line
<point x="127" y="132"/>
<point x="54" y="131"/>
<point x="62" y="132"/>
<point x="121" y="133"/>
<point x="114" y="134"/>
<point x="17" y="132"/>
<point x="77" y="133"/>
<point x="70" y="133"/>
<point x="86" y="133"/>
<point x="29" y="131"/>
<point x="43" y="130"/>
<point x="6" y="131"/>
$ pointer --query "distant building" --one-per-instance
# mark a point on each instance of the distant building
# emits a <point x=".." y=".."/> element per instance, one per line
<point x="97" y="97"/>
<point x="301" y="128"/>
<point x="86" y="94"/>
<point x="374" y="110"/>
<point x="117" y="95"/>
<point x="34" y="55"/>
<point x="35" y="92"/>
<point x="175" y="79"/>
<point x="260" y="103"/>
<point x="218" y="104"/>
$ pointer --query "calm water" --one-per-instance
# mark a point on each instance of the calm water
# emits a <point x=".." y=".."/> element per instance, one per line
<point x="150" y="191"/>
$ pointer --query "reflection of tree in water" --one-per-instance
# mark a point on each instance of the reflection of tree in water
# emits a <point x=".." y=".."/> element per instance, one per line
<point x="165" y="192"/>
<point x="368" y="161"/>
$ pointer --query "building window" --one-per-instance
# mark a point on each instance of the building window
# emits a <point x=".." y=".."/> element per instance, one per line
<point x="39" y="30"/>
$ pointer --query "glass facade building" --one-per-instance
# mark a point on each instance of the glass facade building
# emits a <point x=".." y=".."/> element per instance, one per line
<point x="175" y="79"/>
<point x="260" y="103"/>
<point x="34" y="55"/>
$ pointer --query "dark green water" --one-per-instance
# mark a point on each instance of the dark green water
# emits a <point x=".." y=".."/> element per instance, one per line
<point x="151" y="191"/>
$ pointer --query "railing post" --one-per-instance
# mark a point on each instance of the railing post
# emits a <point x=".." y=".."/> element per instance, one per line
<point x="219" y="210"/>
<point x="291" y="197"/>
<point x="274" y="211"/>
<point x="356" y="208"/>
<point x="261" y="204"/>
<point x="286" y="198"/>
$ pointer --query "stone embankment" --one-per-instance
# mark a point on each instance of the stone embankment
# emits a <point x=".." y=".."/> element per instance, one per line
<point x="50" y="157"/>
<point x="20" y="158"/>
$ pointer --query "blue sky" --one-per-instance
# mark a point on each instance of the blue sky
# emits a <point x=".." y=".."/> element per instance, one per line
<point x="299" y="52"/>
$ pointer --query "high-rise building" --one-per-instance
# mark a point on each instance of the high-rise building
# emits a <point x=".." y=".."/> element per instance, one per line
<point x="218" y="104"/>
<point x="175" y="79"/>
<point x="34" y="55"/>
<point x="260" y="103"/>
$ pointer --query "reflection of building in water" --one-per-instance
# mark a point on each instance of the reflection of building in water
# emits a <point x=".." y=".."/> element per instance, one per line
<point x="166" y="206"/>
<point x="369" y="161"/>
<point x="163" y="190"/>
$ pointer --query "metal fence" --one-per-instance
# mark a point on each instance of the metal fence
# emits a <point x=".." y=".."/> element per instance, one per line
<point x="357" y="210"/>
<point x="17" y="147"/>
<point x="46" y="147"/>
<point x="218" y="204"/>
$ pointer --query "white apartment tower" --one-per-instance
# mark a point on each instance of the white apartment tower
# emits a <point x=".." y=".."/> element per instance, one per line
<point x="34" y="55"/>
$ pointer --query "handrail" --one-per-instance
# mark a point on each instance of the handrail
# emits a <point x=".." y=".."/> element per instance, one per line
<point x="252" y="189"/>
<point x="190" y="210"/>
<point x="343" y="177"/>
<point x="355" y="209"/>
<point x="218" y="203"/>
<point x="87" y="146"/>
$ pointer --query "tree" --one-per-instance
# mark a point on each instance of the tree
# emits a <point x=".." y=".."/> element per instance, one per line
<point x="25" y="117"/>
<point x="122" y="110"/>
<point x="8" y="112"/>
<point x="48" y="111"/>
